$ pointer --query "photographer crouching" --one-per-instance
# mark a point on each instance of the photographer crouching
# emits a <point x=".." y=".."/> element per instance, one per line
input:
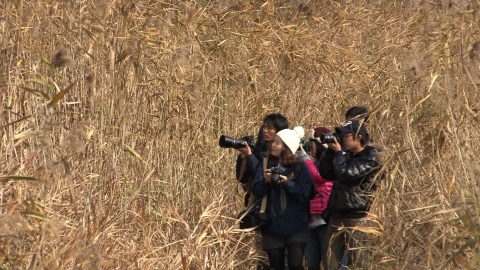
<point x="353" y="171"/>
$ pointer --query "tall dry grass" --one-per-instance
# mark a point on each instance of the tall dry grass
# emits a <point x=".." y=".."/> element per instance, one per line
<point x="111" y="111"/>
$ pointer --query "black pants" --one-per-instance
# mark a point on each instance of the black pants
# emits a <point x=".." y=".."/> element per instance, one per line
<point x="295" y="251"/>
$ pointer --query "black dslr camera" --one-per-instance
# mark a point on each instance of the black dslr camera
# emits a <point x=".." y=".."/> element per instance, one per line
<point x="230" y="142"/>
<point x="275" y="177"/>
<point x="330" y="137"/>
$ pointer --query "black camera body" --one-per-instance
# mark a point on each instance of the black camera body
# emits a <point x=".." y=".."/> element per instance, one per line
<point x="230" y="142"/>
<point x="276" y="172"/>
<point x="330" y="138"/>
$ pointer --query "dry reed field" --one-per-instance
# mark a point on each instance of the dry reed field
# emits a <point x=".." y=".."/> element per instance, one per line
<point x="111" y="112"/>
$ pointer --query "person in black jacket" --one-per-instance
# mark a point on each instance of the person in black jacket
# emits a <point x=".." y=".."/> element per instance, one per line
<point x="354" y="171"/>
<point x="249" y="161"/>
<point x="272" y="124"/>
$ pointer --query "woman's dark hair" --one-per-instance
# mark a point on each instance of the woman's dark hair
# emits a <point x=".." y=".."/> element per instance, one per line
<point x="357" y="112"/>
<point x="286" y="159"/>
<point x="277" y="121"/>
<point x="260" y="139"/>
<point x="319" y="149"/>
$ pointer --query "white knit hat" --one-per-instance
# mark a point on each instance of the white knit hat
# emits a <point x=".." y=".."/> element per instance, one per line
<point x="290" y="138"/>
<point x="300" y="131"/>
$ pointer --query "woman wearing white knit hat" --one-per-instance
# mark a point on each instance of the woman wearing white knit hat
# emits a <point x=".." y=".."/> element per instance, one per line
<point x="287" y="204"/>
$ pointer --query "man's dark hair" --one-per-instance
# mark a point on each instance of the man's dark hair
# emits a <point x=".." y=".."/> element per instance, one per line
<point x="319" y="149"/>
<point x="277" y="120"/>
<point x="357" y="112"/>
<point x="364" y="141"/>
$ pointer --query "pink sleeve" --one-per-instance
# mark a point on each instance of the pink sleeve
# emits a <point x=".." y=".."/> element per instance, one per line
<point x="313" y="171"/>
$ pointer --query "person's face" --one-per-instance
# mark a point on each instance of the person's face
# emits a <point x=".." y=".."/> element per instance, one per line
<point x="350" y="142"/>
<point x="277" y="147"/>
<point x="269" y="132"/>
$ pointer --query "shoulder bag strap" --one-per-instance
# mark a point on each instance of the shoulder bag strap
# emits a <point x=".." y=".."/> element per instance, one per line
<point x="264" y="204"/>
<point x="264" y="200"/>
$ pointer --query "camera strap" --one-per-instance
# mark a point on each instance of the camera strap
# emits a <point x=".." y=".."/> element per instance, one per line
<point x="264" y="204"/>
<point x="264" y="199"/>
<point x="283" y="202"/>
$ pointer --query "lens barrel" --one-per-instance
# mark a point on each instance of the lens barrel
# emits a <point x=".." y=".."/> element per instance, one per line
<point x="230" y="142"/>
<point x="327" y="138"/>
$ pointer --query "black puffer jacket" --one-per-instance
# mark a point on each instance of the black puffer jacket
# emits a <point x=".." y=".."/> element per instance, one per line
<point x="353" y="174"/>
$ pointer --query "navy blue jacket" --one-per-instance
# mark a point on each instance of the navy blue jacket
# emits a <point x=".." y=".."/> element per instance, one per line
<point x="253" y="161"/>
<point x="294" y="194"/>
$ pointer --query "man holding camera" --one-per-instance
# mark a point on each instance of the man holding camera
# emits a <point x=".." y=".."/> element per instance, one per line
<point x="354" y="172"/>
<point x="249" y="161"/>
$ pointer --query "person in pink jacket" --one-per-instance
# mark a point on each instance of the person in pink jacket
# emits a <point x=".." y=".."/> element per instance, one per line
<point x="318" y="224"/>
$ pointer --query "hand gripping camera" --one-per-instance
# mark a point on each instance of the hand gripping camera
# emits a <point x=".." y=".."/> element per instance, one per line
<point x="276" y="172"/>
<point x="330" y="138"/>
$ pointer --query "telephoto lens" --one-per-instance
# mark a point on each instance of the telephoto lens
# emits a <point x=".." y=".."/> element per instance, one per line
<point x="330" y="138"/>
<point x="327" y="138"/>
<point x="230" y="142"/>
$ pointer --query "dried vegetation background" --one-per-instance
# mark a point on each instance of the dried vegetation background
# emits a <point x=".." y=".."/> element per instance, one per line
<point x="111" y="113"/>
